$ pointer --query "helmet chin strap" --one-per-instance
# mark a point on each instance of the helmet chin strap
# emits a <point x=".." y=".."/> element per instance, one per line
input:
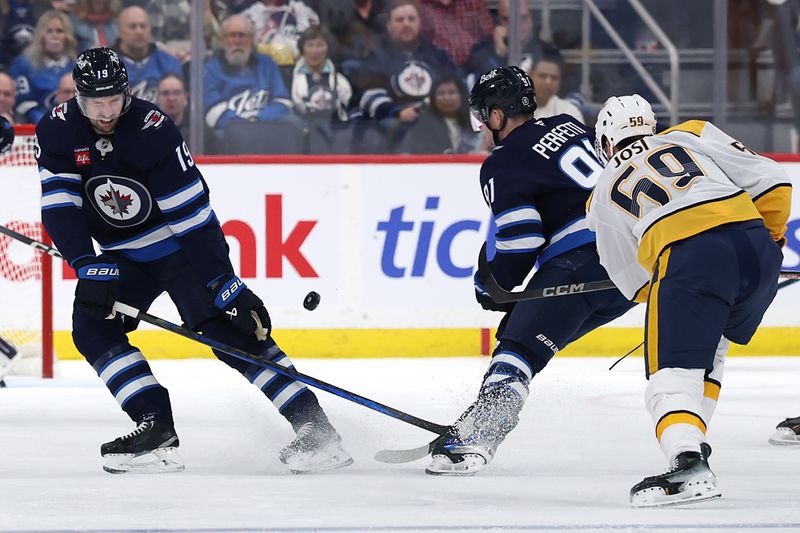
<point x="496" y="133"/>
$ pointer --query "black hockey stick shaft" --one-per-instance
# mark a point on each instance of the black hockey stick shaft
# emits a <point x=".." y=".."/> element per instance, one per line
<point x="502" y="296"/>
<point x="42" y="247"/>
<point x="303" y="378"/>
<point x="230" y="350"/>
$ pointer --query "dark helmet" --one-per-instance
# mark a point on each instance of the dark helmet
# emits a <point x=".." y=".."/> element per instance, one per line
<point x="508" y="88"/>
<point x="6" y="135"/>
<point x="100" y="72"/>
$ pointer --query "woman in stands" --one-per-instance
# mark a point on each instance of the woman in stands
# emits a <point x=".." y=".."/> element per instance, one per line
<point x="443" y="126"/>
<point x="37" y="71"/>
<point x="96" y="23"/>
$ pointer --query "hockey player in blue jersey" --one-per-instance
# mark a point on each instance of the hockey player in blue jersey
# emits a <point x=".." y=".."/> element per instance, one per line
<point x="115" y="169"/>
<point x="536" y="182"/>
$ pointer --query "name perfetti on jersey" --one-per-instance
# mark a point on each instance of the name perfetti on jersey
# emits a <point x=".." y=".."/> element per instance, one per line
<point x="554" y="139"/>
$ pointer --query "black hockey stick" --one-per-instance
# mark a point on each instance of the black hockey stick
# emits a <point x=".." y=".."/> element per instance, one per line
<point x="308" y="380"/>
<point x="502" y="296"/>
<point x="42" y="247"/>
<point x="132" y="312"/>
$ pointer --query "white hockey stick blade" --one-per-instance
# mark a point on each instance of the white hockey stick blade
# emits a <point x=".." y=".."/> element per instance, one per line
<point x="404" y="456"/>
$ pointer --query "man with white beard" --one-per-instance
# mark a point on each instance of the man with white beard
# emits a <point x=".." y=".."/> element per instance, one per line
<point x="239" y="84"/>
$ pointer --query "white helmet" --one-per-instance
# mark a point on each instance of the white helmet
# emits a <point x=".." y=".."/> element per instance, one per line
<point x="622" y="117"/>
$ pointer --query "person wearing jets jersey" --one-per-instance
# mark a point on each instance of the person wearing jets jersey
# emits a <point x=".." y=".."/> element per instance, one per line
<point x="693" y="222"/>
<point x="115" y="169"/>
<point x="536" y="183"/>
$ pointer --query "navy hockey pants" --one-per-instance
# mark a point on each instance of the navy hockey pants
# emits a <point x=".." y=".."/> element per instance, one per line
<point x="719" y="282"/>
<point x="538" y="329"/>
<point x="125" y="371"/>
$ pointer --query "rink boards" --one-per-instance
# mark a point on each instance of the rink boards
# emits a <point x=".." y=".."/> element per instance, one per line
<point x="391" y="248"/>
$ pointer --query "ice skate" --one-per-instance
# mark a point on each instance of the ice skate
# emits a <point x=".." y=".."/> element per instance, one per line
<point x="477" y="433"/>
<point x="787" y="433"/>
<point x="316" y="448"/>
<point x="689" y="480"/>
<point x="149" y="449"/>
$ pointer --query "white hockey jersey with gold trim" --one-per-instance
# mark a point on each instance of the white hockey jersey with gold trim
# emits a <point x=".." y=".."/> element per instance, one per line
<point x="668" y="187"/>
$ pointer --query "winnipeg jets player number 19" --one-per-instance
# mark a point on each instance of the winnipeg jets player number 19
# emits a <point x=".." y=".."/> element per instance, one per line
<point x="115" y="169"/>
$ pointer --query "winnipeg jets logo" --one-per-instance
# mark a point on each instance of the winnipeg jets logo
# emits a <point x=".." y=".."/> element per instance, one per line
<point x="104" y="146"/>
<point x="145" y="91"/>
<point x="83" y="62"/>
<point x="414" y="80"/>
<point x="153" y="119"/>
<point x="116" y="201"/>
<point x="121" y="202"/>
<point x="246" y="105"/>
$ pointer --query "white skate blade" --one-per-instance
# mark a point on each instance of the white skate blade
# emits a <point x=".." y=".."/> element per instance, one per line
<point x="784" y="437"/>
<point x="695" y="491"/>
<point x="471" y="464"/>
<point x="329" y="457"/>
<point x="159" y="461"/>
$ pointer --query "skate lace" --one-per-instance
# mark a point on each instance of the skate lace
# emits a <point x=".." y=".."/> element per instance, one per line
<point x="141" y="428"/>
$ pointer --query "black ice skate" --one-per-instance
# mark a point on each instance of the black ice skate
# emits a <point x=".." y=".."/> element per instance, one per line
<point x="151" y="448"/>
<point x="787" y="433"/>
<point x="477" y="433"/>
<point x="689" y="480"/>
<point x="316" y="447"/>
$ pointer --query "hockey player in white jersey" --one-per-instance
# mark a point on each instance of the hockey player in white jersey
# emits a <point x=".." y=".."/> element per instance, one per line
<point x="691" y="221"/>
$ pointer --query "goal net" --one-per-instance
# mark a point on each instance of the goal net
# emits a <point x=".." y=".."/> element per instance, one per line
<point x="25" y="274"/>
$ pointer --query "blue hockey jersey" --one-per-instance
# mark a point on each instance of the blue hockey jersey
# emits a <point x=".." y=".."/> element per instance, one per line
<point x="537" y="181"/>
<point x="136" y="192"/>
<point x="255" y="92"/>
<point x="36" y="86"/>
<point x="144" y="74"/>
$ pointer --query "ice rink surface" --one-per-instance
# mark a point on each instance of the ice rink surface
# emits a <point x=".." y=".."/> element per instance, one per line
<point x="584" y="439"/>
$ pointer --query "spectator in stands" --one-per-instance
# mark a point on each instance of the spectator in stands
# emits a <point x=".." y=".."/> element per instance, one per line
<point x="66" y="88"/>
<point x="357" y="26"/>
<point x="455" y="25"/>
<point x="145" y="62"/>
<point x="173" y="99"/>
<point x="18" y="22"/>
<point x="170" y="23"/>
<point x="397" y="77"/>
<point x="8" y="97"/>
<point x="96" y="23"/>
<point x="277" y="25"/>
<point x="50" y="55"/>
<point x="546" y="76"/>
<point x="239" y="84"/>
<point x="317" y="87"/>
<point x="443" y="126"/>
<point x="492" y="52"/>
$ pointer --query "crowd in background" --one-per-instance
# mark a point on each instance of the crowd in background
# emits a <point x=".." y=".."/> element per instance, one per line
<point x="289" y="76"/>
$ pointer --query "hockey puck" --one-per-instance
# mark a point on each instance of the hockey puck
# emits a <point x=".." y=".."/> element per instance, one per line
<point x="311" y="301"/>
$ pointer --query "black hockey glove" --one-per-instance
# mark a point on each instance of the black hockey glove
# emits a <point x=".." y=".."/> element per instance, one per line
<point x="481" y="294"/>
<point x="242" y="307"/>
<point x="485" y="299"/>
<point x="96" y="291"/>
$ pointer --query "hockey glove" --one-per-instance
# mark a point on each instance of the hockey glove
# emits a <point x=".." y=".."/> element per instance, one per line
<point x="485" y="299"/>
<point x="96" y="291"/>
<point x="243" y="308"/>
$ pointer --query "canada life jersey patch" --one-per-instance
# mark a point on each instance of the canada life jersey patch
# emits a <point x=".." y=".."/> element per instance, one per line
<point x="121" y="202"/>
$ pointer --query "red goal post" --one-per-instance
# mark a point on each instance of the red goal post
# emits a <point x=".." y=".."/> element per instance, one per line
<point x="26" y="276"/>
